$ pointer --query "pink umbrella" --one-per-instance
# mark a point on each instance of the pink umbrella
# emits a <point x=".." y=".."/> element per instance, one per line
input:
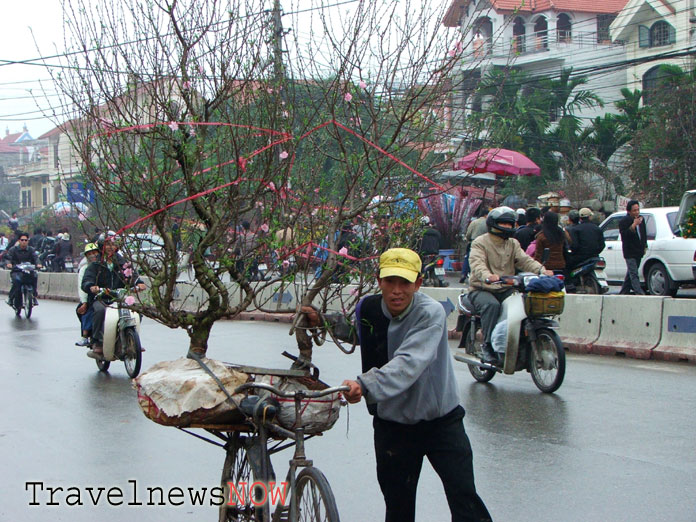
<point x="498" y="161"/>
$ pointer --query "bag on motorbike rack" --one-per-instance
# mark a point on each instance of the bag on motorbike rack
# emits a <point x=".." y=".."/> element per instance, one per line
<point x="181" y="393"/>
<point x="549" y="303"/>
<point x="318" y="414"/>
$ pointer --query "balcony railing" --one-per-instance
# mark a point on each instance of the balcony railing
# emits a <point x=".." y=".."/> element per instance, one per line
<point x="542" y="41"/>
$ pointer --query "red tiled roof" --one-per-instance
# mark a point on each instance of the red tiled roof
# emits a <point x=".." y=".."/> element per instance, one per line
<point x="456" y="8"/>
<point x="6" y="141"/>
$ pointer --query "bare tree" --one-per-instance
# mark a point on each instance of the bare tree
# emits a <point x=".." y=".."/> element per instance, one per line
<point x="196" y="119"/>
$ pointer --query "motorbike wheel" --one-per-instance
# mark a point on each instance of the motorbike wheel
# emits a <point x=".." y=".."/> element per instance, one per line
<point x="588" y="285"/>
<point x="132" y="353"/>
<point x="547" y="361"/>
<point x="474" y="348"/>
<point x="28" y="302"/>
<point x="103" y="365"/>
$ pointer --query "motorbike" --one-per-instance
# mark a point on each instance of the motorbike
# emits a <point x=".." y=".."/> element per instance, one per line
<point x="433" y="270"/>
<point x="587" y="278"/>
<point x="529" y="342"/>
<point x="25" y="295"/>
<point x="121" y="334"/>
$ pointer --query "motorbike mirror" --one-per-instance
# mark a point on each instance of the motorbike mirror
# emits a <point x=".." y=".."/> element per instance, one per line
<point x="545" y="256"/>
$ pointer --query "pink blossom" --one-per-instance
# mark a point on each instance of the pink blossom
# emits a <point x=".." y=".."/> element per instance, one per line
<point x="174" y="126"/>
<point x="286" y="263"/>
<point x="192" y="131"/>
<point x="186" y="85"/>
<point x="271" y="186"/>
<point x="354" y="291"/>
<point x="348" y="97"/>
<point x="242" y="162"/>
<point x="264" y="228"/>
<point x="343" y="251"/>
<point x="452" y="52"/>
<point x="362" y="84"/>
<point x="283" y="154"/>
<point x="200" y="69"/>
<point x="81" y="216"/>
<point x="269" y="91"/>
<point x="128" y="272"/>
<point x="459" y="47"/>
<point x="316" y="190"/>
<point x="129" y="300"/>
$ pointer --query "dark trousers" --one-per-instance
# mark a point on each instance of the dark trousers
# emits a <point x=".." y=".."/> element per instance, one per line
<point x="487" y="304"/>
<point x="400" y="449"/>
<point x="98" y="311"/>
<point x="632" y="281"/>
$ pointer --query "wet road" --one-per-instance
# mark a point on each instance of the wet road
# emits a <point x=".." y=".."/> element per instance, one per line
<point x="615" y="443"/>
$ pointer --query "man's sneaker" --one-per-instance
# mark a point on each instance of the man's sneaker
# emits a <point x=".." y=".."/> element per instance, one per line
<point x="35" y="301"/>
<point x="82" y="342"/>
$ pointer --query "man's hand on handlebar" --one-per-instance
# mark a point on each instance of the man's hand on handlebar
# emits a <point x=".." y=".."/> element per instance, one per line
<point x="493" y="278"/>
<point x="548" y="272"/>
<point x="354" y="394"/>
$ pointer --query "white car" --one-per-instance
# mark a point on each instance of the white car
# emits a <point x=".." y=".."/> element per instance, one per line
<point x="670" y="261"/>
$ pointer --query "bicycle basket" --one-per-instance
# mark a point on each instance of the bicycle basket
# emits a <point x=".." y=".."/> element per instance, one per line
<point x="318" y="414"/>
<point x="550" y="303"/>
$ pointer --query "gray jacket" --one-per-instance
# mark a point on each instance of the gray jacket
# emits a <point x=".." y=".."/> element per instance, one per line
<point x="418" y="382"/>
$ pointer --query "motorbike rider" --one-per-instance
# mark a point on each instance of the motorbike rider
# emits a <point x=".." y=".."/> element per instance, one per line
<point x="492" y="255"/>
<point x="586" y="240"/>
<point x="110" y="272"/>
<point x="85" y="312"/>
<point x="21" y="253"/>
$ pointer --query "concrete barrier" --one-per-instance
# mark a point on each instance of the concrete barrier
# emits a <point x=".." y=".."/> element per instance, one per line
<point x="631" y="325"/>
<point x="678" y="341"/>
<point x="580" y="322"/>
<point x="43" y="284"/>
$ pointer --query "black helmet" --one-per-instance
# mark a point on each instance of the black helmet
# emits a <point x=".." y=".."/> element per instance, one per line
<point x="501" y="215"/>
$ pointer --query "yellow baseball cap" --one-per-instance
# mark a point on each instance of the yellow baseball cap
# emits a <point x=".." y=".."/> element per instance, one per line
<point x="400" y="262"/>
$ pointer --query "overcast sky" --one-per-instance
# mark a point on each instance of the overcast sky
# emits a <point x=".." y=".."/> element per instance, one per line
<point x="18" y="20"/>
<point x="30" y="29"/>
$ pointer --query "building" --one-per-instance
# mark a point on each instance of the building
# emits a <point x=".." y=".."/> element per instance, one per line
<point x="541" y="38"/>
<point x="655" y="32"/>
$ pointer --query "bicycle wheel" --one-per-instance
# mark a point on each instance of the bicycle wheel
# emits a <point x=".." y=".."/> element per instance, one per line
<point x="547" y="361"/>
<point x="237" y="470"/>
<point x="132" y="353"/>
<point x="28" y="301"/>
<point x="313" y="496"/>
<point x="103" y="365"/>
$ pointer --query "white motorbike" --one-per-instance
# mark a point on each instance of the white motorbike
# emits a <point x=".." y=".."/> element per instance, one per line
<point x="526" y="333"/>
<point x="121" y="334"/>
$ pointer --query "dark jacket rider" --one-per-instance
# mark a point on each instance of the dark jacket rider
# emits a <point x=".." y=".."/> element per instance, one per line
<point x="110" y="272"/>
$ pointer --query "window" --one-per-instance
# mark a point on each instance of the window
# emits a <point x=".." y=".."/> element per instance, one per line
<point x="611" y="229"/>
<point x="659" y="34"/>
<point x="518" y="33"/>
<point x="541" y="34"/>
<point x="603" y="23"/>
<point x="650" y="225"/>
<point x="44" y="194"/>
<point x="672" y="220"/>
<point x="564" y="28"/>
<point x="650" y="81"/>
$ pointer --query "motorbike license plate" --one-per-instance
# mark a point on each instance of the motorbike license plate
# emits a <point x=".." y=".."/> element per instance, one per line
<point x="439" y="271"/>
<point x="263" y="266"/>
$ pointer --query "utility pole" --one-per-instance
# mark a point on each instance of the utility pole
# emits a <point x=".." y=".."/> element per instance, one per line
<point x="278" y="69"/>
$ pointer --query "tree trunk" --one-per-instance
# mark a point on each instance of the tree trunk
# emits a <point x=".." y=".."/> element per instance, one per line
<point x="198" y="335"/>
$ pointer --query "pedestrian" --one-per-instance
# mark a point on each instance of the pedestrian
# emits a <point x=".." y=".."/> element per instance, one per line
<point x="410" y="388"/>
<point x="586" y="239"/>
<point x="4" y="242"/>
<point x="634" y="242"/>
<point x="554" y="238"/>
<point x="475" y="229"/>
<point x="525" y="234"/>
<point x="13" y="223"/>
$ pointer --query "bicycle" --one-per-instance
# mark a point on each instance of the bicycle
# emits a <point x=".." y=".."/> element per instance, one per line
<point x="247" y="462"/>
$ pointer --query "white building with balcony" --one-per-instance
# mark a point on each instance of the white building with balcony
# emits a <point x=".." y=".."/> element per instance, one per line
<point x="540" y="37"/>
<point x="655" y="32"/>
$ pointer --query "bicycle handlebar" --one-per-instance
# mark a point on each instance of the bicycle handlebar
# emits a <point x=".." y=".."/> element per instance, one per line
<point x="301" y="393"/>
